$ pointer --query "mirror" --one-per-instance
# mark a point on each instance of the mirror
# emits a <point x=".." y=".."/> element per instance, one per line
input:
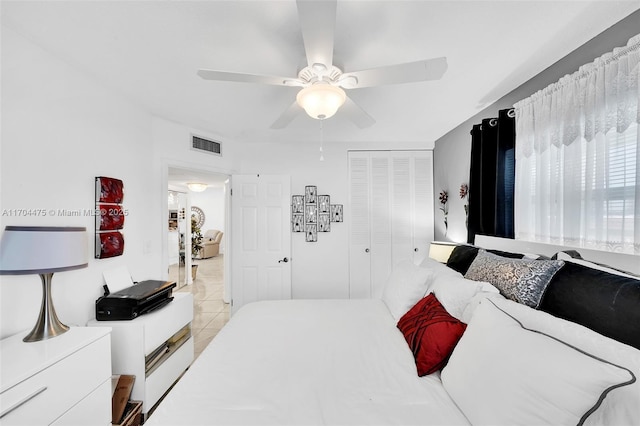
<point x="177" y="202"/>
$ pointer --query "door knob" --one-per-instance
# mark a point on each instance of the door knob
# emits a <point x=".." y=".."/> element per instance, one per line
<point x="285" y="260"/>
<point x="415" y="249"/>
<point x="366" y="250"/>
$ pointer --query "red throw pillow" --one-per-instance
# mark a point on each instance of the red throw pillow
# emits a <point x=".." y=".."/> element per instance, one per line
<point x="431" y="333"/>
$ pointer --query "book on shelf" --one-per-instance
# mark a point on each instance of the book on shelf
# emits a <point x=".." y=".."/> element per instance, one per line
<point x="154" y="357"/>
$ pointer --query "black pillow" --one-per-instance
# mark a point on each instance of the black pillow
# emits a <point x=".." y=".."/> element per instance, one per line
<point x="608" y="304"/>
<point x="507" y="254"/>
<point x="571" y="253"/>
<point x="462" y="257"/>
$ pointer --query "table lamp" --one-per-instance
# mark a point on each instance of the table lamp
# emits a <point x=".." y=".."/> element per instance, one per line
<point x="43" y="250"/>
<point x="441" y="250"/>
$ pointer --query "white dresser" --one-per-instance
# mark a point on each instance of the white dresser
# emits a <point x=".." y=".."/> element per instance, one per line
<point x="156" y="348"/>
<point x="65" y="380"/>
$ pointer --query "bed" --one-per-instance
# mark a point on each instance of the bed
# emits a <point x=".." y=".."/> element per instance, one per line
<point x="367" y="362"/>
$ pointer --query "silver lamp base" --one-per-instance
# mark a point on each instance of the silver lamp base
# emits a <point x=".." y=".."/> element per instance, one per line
<point x="48" y="324"/>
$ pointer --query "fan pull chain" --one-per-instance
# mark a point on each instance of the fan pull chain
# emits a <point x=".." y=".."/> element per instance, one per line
<point x="321" y="140"/>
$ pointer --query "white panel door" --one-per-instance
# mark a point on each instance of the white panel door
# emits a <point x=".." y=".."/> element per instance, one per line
<point x="261" y="239"/>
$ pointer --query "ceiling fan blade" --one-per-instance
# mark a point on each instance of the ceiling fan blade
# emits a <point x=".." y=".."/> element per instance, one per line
<point x="355" y="113"/>
<point x="318" y="23"/>
<point x="250" y="78"/>
<point x="287" y="116"/>
<point x="428" y="69"/>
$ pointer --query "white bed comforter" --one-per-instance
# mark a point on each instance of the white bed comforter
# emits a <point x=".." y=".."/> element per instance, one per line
<point x="308" y="362"/>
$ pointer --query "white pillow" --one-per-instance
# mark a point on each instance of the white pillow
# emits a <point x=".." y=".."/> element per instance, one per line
<point x="475" y="301"/>
<point x="438" y="267"/>
<point x="407" y="284"/>
<point x="620" y="407"/>
<point x="523" y="376"/>
<point x="455" y="292"/>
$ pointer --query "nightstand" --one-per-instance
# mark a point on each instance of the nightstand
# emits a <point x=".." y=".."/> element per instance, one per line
<point x="65" y="380"/>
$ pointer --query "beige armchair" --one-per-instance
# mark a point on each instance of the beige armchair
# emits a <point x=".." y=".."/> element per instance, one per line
<point x="210" y="243"/>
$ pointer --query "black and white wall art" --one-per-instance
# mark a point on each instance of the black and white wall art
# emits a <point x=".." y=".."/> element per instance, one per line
<point x="312" y="213"/>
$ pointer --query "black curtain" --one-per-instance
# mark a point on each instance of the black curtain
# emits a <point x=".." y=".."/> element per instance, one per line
<point x="492" y="176"/>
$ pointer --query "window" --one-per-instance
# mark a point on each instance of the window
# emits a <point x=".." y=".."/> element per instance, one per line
<point x="577" y="172"/>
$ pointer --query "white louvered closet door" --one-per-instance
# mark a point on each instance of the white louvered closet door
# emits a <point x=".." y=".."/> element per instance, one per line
<point x="422" y="204"/>
<point x="402" y="231"/>
<point x="381" y="226"/>
<point x="390" y="212"/>
<point x="359" y="225"/>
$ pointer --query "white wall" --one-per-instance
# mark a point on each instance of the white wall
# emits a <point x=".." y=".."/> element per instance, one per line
<point x="61" y="129"/>
<point x="172" y="148"/>
<point x="319" y="269"/>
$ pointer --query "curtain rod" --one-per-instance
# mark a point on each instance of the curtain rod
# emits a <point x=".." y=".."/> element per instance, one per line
<point x="511" y="113"/>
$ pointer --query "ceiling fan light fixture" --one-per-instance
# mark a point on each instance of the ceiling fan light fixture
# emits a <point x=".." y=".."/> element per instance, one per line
<point x="196" y="186"/>
<point x="321" y="100"/>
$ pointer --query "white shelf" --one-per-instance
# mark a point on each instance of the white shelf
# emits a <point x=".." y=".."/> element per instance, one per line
<point x="133" y="340"/>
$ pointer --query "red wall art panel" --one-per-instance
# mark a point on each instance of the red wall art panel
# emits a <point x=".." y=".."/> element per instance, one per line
<point x="109" y="244"/>
<point x="109" y="190"/>
<point x="110" y="217"/>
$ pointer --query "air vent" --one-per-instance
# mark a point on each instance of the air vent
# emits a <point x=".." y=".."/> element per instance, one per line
<point x="206" y="145"/>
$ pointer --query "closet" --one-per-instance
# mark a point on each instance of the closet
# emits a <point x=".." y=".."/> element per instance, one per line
<point x="390" y="215"/>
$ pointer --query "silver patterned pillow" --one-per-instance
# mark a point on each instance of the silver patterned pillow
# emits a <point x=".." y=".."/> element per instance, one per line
<point x="521" y="280"/>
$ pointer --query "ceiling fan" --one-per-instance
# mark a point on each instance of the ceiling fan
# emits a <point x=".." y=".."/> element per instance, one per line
<point x="322" y="82"/>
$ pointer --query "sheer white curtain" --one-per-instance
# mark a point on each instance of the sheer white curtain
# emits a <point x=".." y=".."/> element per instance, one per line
<point x="577" y="157"/>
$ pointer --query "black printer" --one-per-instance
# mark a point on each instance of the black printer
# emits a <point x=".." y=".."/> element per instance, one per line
<point x="139" y="299"/>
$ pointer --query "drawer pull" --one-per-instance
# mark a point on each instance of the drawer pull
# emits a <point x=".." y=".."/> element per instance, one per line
<point x="23" y="401"/>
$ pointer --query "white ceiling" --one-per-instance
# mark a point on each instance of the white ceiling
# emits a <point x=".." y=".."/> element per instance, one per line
<point x="178" y="178"/>
<point x="149" y="52"/>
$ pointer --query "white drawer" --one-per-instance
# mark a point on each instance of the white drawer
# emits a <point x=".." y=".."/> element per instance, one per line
<point x="95" y="409"/>
<point x="161" y="325"/>
<point x="167" y="373"/>
<point x="42" y="398"/>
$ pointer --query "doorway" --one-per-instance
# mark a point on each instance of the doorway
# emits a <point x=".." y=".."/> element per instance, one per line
<point x="197" y="237"/>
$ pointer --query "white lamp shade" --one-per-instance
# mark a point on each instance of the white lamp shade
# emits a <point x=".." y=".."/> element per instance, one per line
<point x="441" y="250"/>
<point x="42" y="249"/>
<point x="196" y="186"/>
<point x="321" y="100"/>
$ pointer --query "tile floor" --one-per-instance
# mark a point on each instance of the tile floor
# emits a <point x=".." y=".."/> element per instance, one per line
<point x="210" y="313"/>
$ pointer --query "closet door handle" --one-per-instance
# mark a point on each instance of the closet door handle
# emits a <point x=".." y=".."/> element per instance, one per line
<point x="285" y="260"/>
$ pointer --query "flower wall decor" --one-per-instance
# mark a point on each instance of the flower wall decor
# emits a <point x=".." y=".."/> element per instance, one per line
<point x="444" y="199"/>
<point x="464" y="193"/>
